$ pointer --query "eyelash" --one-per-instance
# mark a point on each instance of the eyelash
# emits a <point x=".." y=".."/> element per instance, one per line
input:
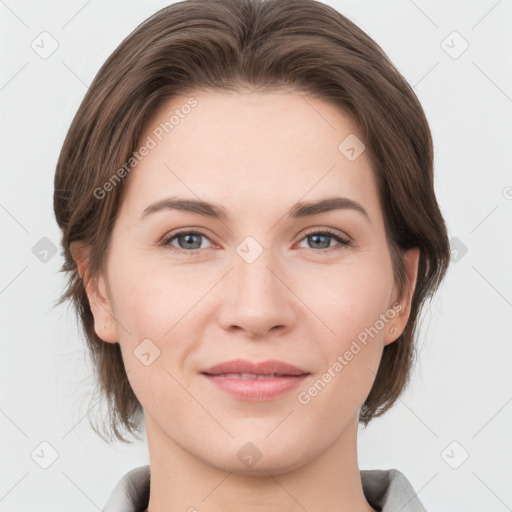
<point x="344" y="242"/>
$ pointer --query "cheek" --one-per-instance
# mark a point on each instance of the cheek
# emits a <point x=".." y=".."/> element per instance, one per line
<point x="354" y="314"/>
<point x="150" y="300"/>
<point x="159" y="303"/>
<point x="350" y="296"/>
<point x="350" y="354"/>
<point x="153" y="306"/>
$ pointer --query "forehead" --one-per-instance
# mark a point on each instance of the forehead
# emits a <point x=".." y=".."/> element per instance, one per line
<point x="258" y="147"/>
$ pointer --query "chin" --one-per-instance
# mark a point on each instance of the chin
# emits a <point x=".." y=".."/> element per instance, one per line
<point x="259" y="459"/>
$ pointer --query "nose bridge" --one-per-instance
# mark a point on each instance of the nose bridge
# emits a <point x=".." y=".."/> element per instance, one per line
<point x="258" y="299"/>
<point x="255" y="285"/>
<point x="252" y="274"/>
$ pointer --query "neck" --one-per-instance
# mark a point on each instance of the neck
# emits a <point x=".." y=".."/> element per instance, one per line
<point x="182" y="481"/>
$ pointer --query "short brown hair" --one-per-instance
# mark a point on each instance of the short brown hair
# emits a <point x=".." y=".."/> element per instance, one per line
<point x="265" y="45"/>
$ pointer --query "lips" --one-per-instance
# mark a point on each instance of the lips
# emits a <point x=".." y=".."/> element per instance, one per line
<point x="243" y="369"/>
<point x="254" y="382"/>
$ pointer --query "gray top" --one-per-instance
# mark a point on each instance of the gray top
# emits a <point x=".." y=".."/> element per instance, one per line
<point x="386" y="491"/>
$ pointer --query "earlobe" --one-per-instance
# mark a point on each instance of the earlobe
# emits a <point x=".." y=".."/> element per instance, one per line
<point x="402" y="306"/>
<point x="96" y="290"/>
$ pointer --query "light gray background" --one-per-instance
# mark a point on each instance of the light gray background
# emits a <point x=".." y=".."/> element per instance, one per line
<point x="461" y="389"/>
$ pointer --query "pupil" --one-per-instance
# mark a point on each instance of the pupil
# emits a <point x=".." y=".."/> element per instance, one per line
<point x="190" y="240"/>
<point x="316" y="237"/>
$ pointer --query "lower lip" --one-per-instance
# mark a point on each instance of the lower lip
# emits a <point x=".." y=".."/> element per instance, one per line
<point x="256" y="390"/>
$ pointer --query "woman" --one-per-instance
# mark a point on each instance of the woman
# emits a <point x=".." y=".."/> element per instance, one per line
<point x="250" y="230"/>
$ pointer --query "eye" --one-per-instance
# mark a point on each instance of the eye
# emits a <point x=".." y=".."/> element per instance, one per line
<point x="188" y="241"/>
<point x="321" y="240"/>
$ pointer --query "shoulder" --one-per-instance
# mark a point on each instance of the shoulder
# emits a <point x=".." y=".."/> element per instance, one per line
<point x="131" y="493"/>
<point x="389" y="490"/>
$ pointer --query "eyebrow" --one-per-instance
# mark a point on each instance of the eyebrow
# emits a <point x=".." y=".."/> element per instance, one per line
<point x="215" y="211"/>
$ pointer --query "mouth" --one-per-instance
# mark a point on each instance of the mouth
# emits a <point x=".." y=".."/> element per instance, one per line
<point x="270" y="368"/>
<point x="250" y="381"/>
<point x="250" y="376"/>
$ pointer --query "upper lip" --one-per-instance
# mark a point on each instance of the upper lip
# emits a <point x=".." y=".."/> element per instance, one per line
<point x="269" y="367"/>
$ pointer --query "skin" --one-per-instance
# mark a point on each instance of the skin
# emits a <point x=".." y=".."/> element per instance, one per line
<point x="257" y="155"/>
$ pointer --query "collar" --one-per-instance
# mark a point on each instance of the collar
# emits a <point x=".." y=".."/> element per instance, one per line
<point x="386" y="491"/>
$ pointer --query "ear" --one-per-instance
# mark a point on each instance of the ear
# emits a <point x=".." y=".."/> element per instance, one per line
<point x="96" y="288"/>
<point x="402" y="305"/>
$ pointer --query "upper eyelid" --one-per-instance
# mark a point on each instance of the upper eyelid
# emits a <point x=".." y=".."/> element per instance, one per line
<point x="328" y="231"/>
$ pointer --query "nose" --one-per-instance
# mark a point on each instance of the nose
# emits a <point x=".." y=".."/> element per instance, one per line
<point x="258" y="298"/>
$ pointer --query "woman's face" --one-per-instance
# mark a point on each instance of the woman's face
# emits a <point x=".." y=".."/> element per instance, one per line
<point x="265" y="280"/>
